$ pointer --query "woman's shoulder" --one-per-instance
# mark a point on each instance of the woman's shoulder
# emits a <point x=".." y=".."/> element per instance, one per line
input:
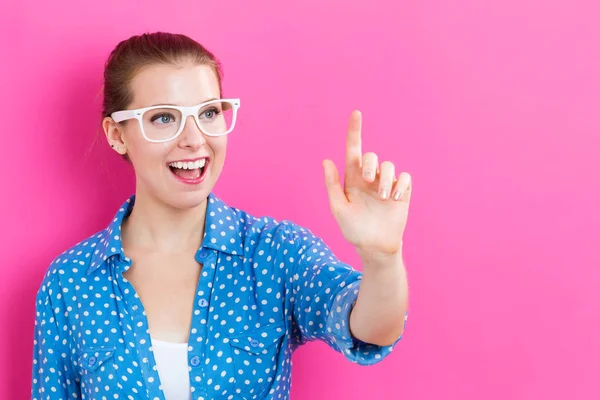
<point x="260" y="228"/>
<point x="72" y="265"/>
<point x="250" y="223"/>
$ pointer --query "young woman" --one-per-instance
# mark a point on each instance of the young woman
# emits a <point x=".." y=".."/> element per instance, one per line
<point x="183" y="297"/>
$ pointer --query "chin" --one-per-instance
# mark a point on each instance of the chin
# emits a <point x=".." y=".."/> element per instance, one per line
<point x="186" y="200"/>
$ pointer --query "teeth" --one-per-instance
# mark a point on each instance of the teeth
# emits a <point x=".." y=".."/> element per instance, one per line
<point x="188" y="165"/>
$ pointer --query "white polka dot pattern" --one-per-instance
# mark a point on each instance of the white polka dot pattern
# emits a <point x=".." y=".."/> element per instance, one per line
<point x="266" y="288"/>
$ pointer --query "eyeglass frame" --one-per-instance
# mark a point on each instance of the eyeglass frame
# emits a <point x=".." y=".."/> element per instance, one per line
<point x="186" y="111"/>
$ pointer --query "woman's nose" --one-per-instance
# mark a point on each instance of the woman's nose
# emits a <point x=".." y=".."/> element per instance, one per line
<point x="191" y="136"/>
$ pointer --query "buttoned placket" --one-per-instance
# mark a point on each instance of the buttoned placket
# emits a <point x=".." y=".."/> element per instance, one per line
<point x="199" y="327"/>
<point x="208" y="258"/>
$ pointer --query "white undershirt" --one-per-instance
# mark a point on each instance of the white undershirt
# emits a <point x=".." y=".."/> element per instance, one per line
<point x="172" y="364"/>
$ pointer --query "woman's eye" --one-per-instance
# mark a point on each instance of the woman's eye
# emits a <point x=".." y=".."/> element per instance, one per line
<point x="163" y="118"/>
<point x="209" y="114"/>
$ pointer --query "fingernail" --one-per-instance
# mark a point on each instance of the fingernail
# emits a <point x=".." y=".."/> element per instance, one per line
<point x="369" y="175"/>
<point x="397" y="195"/>
<point x="383" y="193"/>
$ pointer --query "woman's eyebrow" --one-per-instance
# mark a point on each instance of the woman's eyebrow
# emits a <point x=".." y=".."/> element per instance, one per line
<point x="171" y="104"/>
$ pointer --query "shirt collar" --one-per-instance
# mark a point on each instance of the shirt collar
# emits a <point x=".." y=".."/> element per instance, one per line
<point x="221" y="232"/>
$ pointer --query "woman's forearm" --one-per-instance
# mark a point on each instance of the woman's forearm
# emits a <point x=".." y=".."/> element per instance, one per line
<point x="379" y="313"/>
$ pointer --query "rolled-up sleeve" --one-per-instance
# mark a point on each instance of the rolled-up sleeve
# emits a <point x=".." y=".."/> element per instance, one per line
<point x="324" y="291"/>
<point x="51" y="375"/>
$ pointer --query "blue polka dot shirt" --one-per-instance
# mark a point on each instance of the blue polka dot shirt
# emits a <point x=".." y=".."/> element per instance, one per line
<point x="266" y="287"/>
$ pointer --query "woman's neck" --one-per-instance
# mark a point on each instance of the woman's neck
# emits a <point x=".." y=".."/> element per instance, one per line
<point x="157" y="227"/>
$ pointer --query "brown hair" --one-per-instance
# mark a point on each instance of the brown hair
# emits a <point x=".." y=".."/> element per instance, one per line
<point x="144" y="50"/>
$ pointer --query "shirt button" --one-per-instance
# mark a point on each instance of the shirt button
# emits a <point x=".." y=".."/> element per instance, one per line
<point x="91" y="361"/>
<point x="195" y="361"/>
<point x="203" y="303"/>
<point x="253" y="342"/>
<point x="203" y="254"/>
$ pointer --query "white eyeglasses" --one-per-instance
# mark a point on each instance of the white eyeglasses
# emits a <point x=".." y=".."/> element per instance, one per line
<point x="161" y="124"/>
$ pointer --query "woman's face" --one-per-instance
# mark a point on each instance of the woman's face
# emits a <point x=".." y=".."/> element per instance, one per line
<point x="184" y="85"/>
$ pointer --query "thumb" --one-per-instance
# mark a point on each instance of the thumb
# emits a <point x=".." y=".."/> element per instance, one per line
<point x="335" y="191"/>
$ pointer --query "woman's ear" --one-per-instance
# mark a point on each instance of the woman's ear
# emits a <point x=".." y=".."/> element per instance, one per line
<point x="114" y="135"/>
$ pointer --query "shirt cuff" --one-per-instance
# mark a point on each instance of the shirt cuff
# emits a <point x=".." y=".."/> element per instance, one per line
<point x="341" y="339"/>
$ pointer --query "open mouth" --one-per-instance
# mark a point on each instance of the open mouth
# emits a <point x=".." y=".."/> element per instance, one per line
<point x="189" y="171"/>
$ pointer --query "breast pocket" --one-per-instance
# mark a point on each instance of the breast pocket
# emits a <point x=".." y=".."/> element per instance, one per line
<point x="97" y="369"/>
<point x="255" y="357"/>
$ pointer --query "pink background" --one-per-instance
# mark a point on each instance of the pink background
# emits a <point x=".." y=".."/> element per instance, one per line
<point x="493" y="106"/>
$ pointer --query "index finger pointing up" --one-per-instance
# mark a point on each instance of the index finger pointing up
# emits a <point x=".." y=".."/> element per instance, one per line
<point x="353" y="140"/>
